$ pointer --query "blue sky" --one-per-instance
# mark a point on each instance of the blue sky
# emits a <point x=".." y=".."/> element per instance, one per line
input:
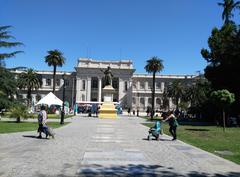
<point x="173" y="30"/>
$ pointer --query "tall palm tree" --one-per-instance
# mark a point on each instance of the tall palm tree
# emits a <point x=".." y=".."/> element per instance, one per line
<point x="54" y="58"/>
<point x="29" y="80"/>
<point x="4" y="35"/>
<point x="154" y="65"/>
<point x="176" y="90"/>
<point x="228" y="7"/>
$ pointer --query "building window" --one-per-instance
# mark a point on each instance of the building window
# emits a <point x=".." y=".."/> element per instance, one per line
<point x="142" y="101"/>
<point x="142" y="85"/>
<point x="66" y="82"/>
<point x="149" y="101"/>
<point x="158" y="85"/>
<point x="83" y="84"/>
<point x="94" y="83"/>
<point x="125" y="85"/>
<point x="115" y="83"/>
<point x="158" y="101"/>
<point x="134" y="100"/>
<point x="48" y="82"/>
<point x="58" y="82"/>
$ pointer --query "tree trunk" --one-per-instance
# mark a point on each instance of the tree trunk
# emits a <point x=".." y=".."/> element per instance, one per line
<point x="54" y="78"/>
<point x="153" y="96"/>
<point x="29" y="93"/>
<point x="224" y="123"/>
<point x="18" y="120"/>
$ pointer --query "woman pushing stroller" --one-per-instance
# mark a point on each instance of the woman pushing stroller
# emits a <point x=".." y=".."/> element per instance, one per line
<point x="173" y="123"/>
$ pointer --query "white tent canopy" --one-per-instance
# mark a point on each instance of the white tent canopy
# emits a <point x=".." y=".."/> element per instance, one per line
<point x="50" y="99"/>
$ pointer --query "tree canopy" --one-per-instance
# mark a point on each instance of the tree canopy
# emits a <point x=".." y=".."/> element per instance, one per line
<point x="29" y="80"/>
<point x="54" y="58"/>
<point x="4" y="43"/>
<point x="223" y="55"/>
<point x="154" y="65"/>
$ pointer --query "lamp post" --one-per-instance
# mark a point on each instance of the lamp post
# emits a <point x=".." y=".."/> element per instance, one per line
<point x="63" y="97"/>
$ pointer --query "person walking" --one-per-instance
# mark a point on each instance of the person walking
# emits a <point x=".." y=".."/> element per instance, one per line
<point x="129" y="111"/>
<point x="42" y="119"/>
<point x="171" y="118"/>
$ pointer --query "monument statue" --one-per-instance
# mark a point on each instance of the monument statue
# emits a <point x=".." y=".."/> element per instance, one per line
<point x="108" y="76"/>
<point x="107" y="109"/>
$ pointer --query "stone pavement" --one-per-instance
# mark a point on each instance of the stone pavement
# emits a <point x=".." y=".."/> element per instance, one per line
<point x="105" y="147"/>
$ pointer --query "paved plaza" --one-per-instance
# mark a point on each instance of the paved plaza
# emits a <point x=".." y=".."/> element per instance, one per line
<point x="105" y="147"/>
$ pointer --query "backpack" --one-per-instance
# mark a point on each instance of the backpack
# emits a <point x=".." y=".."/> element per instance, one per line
<point x="40" y="117"/>
<point x="175" y="122"/>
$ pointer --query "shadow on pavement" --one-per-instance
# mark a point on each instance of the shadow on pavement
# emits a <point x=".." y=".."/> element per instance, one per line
<point x="134" y="170"/>
<point x="154" y="139"/>
<point x="32" y="136"/>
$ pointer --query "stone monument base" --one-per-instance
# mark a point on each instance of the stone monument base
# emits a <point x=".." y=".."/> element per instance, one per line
<point x="108" y="110"/>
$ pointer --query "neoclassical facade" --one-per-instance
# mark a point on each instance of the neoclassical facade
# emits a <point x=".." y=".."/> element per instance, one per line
<point x="84" y="85"/>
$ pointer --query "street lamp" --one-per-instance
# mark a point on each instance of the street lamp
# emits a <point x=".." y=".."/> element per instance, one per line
<point x="63" y="97"/>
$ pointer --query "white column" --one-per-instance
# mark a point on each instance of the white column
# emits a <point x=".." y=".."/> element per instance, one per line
<point x="129" y="92"/>
<point x="162" y="86"/>
<point x="145" y="102"/>
<point x="146" y="85"/>
<point x="78" y="88"/>
<point x="43" y="82"/>
<point x="89" y="89"/>
<point x="120" y="90"/>
<point x="99" y="89"/>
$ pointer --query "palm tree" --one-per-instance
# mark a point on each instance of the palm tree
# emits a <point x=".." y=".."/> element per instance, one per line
<point x="176" y="90"/>
<point x="154" y="65"/>
<point x="54" y="58"/>
<point x="29" y="80"/>
<point x="4" y="35"/>
<point x="228" y="7"/>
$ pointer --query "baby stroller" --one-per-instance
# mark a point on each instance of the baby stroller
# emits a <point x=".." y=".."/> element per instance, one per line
<point x="48" y="131"/>
<point x="155" y="131"/>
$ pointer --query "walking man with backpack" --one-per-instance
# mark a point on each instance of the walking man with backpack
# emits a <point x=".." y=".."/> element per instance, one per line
<point x="42" y="119"/>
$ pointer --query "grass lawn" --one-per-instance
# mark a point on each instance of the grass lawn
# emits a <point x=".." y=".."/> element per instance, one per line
<point x="35" y="115"/>
<point x="10" y="127"/>
<point x="209" y="138"/>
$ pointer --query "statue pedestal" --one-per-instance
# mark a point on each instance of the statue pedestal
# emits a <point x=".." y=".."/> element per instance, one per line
<point x="107" y="109"/>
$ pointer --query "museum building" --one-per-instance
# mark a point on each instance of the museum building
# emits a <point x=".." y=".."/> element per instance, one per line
<point x="85" y="84"/>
